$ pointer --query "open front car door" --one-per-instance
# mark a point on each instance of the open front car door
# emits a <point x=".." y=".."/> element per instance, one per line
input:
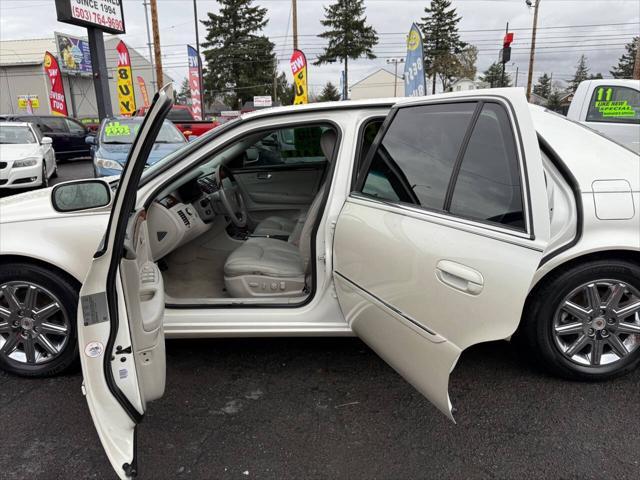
<point x="437" y="247"/>
<point x="121" y="312"/>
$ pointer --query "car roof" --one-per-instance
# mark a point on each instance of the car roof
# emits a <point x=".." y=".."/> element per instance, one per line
<point x="15" y="124"/>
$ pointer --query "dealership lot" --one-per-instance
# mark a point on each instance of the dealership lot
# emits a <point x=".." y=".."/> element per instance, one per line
<point x="330" y="408"/>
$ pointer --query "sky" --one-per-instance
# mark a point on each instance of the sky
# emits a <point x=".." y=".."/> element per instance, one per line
<point x="598" y="28"/>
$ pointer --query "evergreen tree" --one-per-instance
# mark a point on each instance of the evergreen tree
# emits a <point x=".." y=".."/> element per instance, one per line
<point x="597" y="76"/>
<point x="441" y="41"/>
<point x="626" y="62"/>
<point x="285" y="92"/>
<point x="553" y="101"/>
<point x="240" y="61"/>
<point x="329" y="93"/>
<point x="493" y="76"/>
<point x="348" y="35"/>
<point x="543" y="87"/>
<point x="582" y="74"/>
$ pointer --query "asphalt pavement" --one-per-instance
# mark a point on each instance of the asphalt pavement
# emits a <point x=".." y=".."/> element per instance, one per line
<point x="331" y="409"/>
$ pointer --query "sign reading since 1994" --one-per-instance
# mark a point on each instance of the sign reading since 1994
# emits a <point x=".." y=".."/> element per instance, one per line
<point x="105" y="15"/>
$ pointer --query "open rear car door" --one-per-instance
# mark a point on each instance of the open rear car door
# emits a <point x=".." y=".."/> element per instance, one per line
<point x="421" y="283"/>
<point x="120" y="316"/>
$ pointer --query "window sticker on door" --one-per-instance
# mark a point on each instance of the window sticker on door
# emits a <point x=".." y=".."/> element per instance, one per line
<point x="612" y="108"/>
<point x="94" y="308"/>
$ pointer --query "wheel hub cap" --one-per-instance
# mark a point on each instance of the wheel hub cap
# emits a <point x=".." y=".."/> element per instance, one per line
<point x="598" y="323"/>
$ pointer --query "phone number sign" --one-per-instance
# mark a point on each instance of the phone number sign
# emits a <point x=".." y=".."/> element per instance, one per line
<point x="106" y="15"/>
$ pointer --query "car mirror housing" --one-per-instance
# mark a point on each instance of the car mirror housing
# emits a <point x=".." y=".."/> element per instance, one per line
<point x="80" y="195"/>
<point x="90" y="140"/>
<point x="46" y="141"/>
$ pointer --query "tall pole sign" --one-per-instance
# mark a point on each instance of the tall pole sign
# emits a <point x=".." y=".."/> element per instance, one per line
<point x="299" y="69"/>
<point x="57" y="100"/>
<point x="126" y="95"/>
<point x="194" y="82"/>
<point x="97" y="16"/>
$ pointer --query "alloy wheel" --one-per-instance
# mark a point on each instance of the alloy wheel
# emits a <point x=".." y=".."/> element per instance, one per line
<point x="34" y="326"/>
<point x="598" y="323"/>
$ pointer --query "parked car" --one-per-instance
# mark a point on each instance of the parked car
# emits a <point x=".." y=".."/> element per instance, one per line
<point x="112" y="144"/>
<point x="611" y="107"/>
<point x="68" y="134"/>
<point x="182" y="117"/>
<point x="428" y="225"/>
<point x="27" y="159"/>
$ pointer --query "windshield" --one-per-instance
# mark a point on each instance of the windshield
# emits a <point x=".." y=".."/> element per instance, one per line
<point x="124" y="131"/>
<point x="16" y="134"/>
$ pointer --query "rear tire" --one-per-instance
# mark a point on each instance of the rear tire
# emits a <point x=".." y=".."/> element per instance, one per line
<point x="45" y="179"/>
<point x="574" y="340"/>
<point x="35" y="342"/>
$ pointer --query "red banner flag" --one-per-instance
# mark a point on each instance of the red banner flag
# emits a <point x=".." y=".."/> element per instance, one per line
<point x="143" y="91"/>
<point x="194" y="82"/>
<point x="56" y="92"/>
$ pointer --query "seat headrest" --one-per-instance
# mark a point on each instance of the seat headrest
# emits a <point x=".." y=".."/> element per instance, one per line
<point x="328" y="142"/>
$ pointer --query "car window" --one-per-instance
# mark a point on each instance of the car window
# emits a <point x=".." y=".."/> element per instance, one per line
<point x="282" y="147"/>
<point x="614" y="104"/>
<point x="74" y="127"/>
<point x="488" y="186"/>
<point x="180" y="115"/>
<point x="52" y="124"/>
<point x="414" y="162"/>
<point x="18" y="134"/>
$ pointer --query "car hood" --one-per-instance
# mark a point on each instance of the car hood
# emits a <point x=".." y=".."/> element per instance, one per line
<point x="119" y="153"/>
<point x="17" y="151"/>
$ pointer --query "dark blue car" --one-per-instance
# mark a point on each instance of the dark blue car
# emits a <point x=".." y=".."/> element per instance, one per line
<point x="111" y="145"/>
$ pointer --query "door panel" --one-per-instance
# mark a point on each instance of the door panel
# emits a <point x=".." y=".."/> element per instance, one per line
<point x="279" y="191"/>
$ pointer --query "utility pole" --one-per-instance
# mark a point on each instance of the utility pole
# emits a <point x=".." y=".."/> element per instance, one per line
<point x="153" y="72"/>
<point x="156" y="42"/>
<point x="395" y="62"/>
<point x="533" y="45"/>
<point x="504" y="64"/>
<point x="195" y="16"/>
<point x="517" y="71"/>
<point x="294" y="17"/>
<point x="636" y="63"/>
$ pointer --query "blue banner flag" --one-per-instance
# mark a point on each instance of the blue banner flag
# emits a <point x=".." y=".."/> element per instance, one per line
<point x="414" y="80"/>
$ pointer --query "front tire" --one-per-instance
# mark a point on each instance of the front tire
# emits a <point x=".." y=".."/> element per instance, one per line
<point x="45" y="179"/>
<point x="38" y="335"/>
<point x="584" y="323"/>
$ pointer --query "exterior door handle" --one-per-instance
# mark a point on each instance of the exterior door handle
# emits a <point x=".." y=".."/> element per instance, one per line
<point x="460" y="277"/>
<point x="263" y="176"/>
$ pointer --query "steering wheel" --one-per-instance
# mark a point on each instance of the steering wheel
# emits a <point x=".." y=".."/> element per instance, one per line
<point x="231" y="198"/>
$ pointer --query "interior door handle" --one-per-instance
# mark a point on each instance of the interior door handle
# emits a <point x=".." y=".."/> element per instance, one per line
<point x="263" y="176"/>
<point x="460" y="277"/>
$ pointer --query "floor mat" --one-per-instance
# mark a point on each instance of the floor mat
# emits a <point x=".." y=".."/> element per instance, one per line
<point x="196" y="273"/>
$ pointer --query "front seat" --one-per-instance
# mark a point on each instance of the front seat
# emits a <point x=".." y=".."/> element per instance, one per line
<point x="276" y="226"/>
<point x="268" y="267"/>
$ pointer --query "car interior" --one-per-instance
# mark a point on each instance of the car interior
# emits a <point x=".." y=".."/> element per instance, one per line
<point x="238" y="227"/>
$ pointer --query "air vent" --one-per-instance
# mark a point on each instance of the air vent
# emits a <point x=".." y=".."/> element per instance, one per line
<point x="184" y="218"/>
<point x="161" y="235"/>
<point x="208" y="185"/>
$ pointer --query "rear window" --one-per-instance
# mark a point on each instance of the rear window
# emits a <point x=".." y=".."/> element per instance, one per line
<point x="614" y="104"/>
<point x="52" y="124"/>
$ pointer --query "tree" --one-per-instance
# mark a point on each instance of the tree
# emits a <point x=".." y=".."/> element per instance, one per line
<point x="543" y="87"/>
<point x="348" y="34"/>
<point x="184" y="94"/>
<point x="493" y="76"/>
<point x="467" y="62"/>
<point x="329" y="93"/>
<point x="597" y="76"/>
<point x="240" y="61"/>
<point x="553" y="101"/>
<point x="582" y="74"/>
<point x="626" y="62"/>
<point x="285" y="92"/>
<point x="441" y="41"/>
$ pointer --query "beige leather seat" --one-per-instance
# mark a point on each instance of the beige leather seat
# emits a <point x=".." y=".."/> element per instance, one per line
<point x="282" y="226"/>
<point x="267" y="267"/>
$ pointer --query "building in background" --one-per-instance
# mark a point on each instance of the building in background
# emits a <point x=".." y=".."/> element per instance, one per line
<point x="463" y="84"/>
<point x="379" y="84"/>
<point x="22" y="73"/>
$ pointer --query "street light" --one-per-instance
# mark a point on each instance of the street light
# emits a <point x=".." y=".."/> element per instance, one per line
<point x="533" y="44"/>
<point x="395" y="62"/>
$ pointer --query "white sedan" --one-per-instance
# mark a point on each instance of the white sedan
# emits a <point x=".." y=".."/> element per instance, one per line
<point x="422" y="225"/>
<point x="27" y="158"/>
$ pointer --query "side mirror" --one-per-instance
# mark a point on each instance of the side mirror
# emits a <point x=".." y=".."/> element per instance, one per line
<point x="80" y="195"/>
<point x="46" y="141"/>
<point x="90" y="139"/>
